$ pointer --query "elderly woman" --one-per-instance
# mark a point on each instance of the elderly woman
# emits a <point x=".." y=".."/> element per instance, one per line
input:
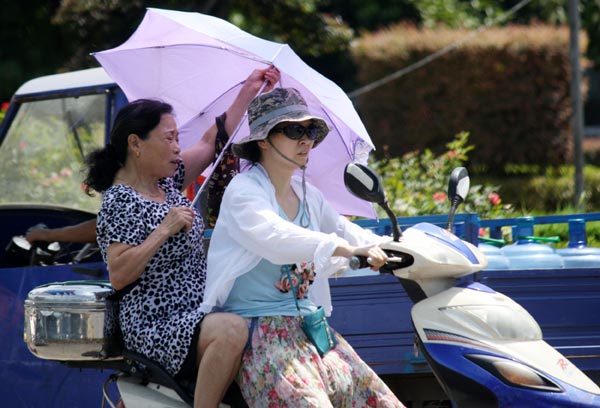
<point x="275" y="236"/>
<point x="151" y="240"/>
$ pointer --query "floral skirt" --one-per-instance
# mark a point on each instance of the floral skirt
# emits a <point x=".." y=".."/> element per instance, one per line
<point x="282" y="368"/>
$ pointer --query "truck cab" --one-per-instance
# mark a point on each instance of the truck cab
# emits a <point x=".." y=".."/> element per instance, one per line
<point x="51" y="124"/>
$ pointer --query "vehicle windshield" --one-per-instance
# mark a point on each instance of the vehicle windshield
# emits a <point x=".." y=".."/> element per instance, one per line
<point x="42" y="155"/>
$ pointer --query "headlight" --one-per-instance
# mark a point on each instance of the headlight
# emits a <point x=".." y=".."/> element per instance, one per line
<point x="514" y="373"/>
<point x="497" y="322"/>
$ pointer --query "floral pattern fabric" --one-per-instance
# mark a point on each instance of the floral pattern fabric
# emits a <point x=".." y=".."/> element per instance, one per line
<point x="302" y="274"/>
<point x="226" y="169"/>
<point x="282" y="369"/>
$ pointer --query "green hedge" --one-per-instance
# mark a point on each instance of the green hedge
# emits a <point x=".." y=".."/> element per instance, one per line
<point x="548" y="193"/>
<point x="508" y="87"/>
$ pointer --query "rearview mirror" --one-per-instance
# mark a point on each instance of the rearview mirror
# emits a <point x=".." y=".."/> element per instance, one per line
<point x="458" y="186"/>
<point x="364" y="183"/>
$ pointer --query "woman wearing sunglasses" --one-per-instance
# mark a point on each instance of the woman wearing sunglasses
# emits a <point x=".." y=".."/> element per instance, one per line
<point x="273" y="247"/>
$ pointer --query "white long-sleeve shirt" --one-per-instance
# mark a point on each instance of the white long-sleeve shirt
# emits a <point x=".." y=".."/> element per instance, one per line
<point x="249" y="228"/>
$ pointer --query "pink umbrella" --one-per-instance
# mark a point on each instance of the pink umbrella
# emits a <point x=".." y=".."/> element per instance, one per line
<point x="197" y="63"/>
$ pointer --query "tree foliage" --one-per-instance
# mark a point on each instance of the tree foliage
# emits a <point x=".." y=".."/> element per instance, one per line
<point x="590" y="21"/>
<point x="45" y="36"/>
<point x="457" y="13"/>
<point x="27" y="38"/>
<point x="75" y="28"/>
<point x="474" y="13"/>
<point x="297" y="22"/>
<point x="372" y="15"/>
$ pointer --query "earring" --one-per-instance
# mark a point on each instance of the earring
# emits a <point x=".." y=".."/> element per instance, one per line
<point x="138" y="154"/>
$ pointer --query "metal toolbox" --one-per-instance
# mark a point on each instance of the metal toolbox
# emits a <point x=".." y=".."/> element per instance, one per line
<point x="73" y="321"/>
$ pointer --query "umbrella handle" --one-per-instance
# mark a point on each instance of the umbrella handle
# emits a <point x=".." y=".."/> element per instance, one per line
<point x="220" y="157"/>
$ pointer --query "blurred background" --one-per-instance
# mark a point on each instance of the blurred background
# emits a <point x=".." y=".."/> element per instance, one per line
<point x="482" y="83"/>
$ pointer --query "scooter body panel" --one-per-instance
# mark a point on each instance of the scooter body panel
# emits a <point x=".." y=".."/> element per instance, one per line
<point x="471" y="386"/>
<point x="484" y="348"/>
<point x="491" y="320"/>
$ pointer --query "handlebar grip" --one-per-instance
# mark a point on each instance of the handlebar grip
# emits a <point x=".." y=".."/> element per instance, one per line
<point x="37" y="226"/>
<point x="358" y="262"/>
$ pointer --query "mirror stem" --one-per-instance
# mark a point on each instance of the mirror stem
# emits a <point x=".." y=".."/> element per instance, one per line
<point x="396" y="233"/>
<point x="455" y="203"/>
<point x="450" y="221"/>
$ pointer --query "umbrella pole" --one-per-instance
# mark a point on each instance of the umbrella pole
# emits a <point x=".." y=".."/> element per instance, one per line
<point x="220" y="157"/>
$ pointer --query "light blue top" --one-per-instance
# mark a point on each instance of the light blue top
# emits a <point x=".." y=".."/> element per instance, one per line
<point x="254" y="293"/>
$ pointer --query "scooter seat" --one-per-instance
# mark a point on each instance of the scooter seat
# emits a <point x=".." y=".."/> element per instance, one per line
<point x="140" y="366"/>
<point x="147" y="370"/>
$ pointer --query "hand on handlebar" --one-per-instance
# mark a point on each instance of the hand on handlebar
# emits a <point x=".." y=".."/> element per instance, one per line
<point x="374" y="256"/>
<point x="38" y="233"/>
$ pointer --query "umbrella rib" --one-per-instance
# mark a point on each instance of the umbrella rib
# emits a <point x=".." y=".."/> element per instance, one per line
<point x="229" y="141"/>
<point x="210" y="105"/>
<point x="350" y="153"/>
<point x="272" y="61"/>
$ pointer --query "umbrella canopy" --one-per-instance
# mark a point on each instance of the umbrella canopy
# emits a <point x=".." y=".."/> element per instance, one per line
<point x="197" y="63"/>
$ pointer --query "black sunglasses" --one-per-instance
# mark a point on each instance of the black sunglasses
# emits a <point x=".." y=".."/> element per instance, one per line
<point x="295" y="131"/>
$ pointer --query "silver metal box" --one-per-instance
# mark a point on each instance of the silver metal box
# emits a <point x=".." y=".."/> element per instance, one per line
<point x="73" y="321"/>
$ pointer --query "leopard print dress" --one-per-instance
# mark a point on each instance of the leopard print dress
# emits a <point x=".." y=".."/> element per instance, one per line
<point x="158" y="312"/>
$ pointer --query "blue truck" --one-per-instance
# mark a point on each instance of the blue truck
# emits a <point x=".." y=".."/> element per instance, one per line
<point x="53" y="122"/>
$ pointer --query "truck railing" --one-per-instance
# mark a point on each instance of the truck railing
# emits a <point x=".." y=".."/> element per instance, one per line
<point x="467" y="225"/>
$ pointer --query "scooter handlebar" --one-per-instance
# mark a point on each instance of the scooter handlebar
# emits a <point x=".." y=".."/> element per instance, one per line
<point x="395" y="260"/>
<point x="358" y="262"/>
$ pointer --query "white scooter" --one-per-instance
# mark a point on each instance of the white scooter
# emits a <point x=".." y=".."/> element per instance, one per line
<point x="484" y="349"/>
